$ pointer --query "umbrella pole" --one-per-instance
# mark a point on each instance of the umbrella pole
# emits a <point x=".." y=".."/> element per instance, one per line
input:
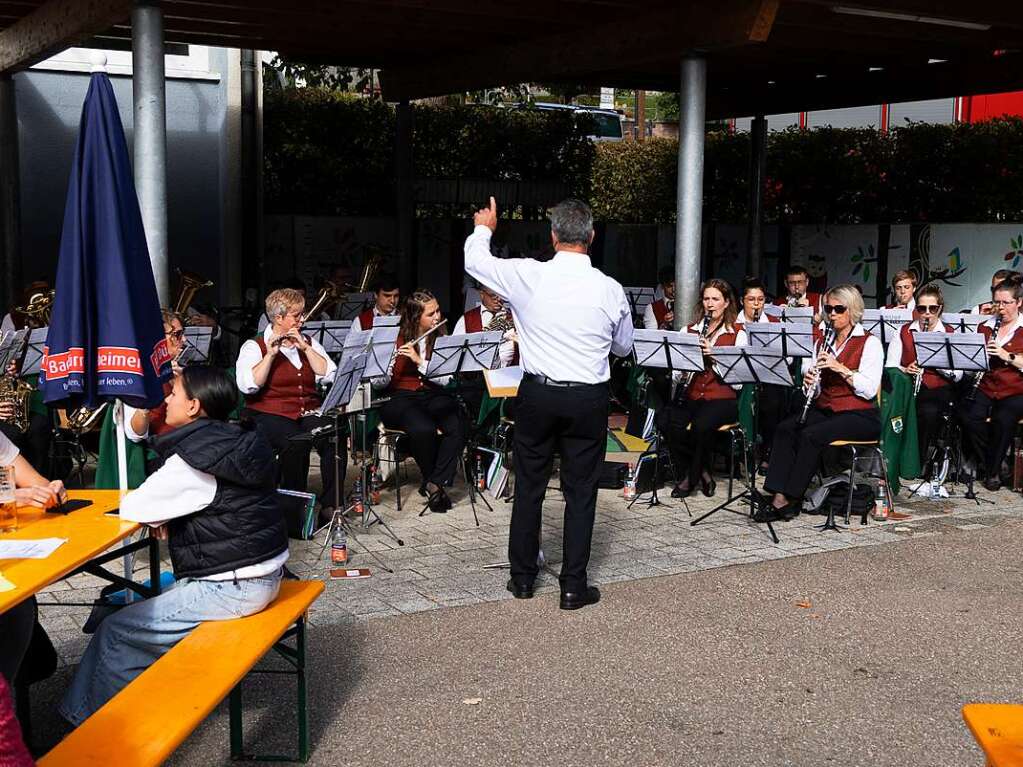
<point x="122" y="483"/>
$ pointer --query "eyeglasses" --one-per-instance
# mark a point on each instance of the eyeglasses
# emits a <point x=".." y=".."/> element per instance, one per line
<point x="835" y="308"/>
<point x="176" y="335"/>
<point x="1003" y="303"/>
<point x="936" y="309"/>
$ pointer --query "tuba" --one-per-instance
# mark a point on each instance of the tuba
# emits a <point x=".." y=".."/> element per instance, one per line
<point x="189" y="283"/>
<point x="83" y="419"/>
<point x="329" y="293"/>
<point x="369" y="271"/>
<point x="36" y="313"/>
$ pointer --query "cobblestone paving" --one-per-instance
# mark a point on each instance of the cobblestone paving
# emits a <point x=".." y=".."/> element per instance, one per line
<point x="442" y="561"/>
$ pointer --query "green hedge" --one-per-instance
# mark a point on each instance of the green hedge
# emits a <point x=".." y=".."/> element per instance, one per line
<point x="330" y="153"/>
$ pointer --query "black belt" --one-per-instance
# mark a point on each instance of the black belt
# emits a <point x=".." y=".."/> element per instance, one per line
<point x="551" y="382"/>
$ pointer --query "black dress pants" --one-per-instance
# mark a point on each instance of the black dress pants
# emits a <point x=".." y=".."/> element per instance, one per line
<point x="930" y="405"/>
<point x="16" y="627"/>
<point x="772" y="407"/>
<point x="691" y="449"/>
<point x="990" y="441"/>
<point x="420" y="414"/>
<point x="572" y="420"/>
<point x="293" y="455"/>
<point x="797" y="449"/>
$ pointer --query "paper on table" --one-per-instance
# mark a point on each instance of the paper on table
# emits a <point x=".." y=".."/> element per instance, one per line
<point x="40" y="548"/>
<point x="5" y="585"/>
<point x="502" y="378"/>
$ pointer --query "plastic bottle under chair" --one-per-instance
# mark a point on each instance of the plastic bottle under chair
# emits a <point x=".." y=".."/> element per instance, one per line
<point x="629" y="490"/>
<point x="881" y="510"/>
<point x="375" y="483"/>
<point x="339" y="547"/>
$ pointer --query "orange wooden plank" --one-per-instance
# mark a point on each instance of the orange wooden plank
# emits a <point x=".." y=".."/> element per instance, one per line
<point x="998" y="728"/>
<point x="155" y="713"/>
<point x="89" y="534"/>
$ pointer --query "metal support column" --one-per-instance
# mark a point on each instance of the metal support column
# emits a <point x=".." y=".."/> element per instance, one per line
<point x="252" y="173"/>
<point x="10" y="195"/>
<point x="757" y="160"/>
<point x="408" y="269"/>
<point x="689" y="224"/>
<point x="150" y="155"/>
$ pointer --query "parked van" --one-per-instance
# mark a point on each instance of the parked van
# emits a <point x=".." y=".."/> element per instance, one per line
<point x="607" y="123"/>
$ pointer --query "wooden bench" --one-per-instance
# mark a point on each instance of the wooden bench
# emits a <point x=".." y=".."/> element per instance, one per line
<point x="152" y="716"/>
<point x="998" y="728"/>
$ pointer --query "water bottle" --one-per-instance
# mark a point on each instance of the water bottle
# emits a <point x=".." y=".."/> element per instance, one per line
<point x="935" y="484"/>
<point x="481" y="478"/>
<point x="339" y="547"/>
<point x="375" y="483"/>
<point x="358" y="508"/>
<point x="881" y="509"/>
<point x="629" y="491"/>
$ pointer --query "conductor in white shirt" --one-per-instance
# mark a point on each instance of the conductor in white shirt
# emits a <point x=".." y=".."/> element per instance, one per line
<point x="569" y="318"/>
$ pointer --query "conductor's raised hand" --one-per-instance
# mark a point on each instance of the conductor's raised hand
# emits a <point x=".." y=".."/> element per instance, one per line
<point x="487" y="216"/>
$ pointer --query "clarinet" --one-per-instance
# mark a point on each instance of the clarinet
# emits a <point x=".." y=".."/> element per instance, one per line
<point x="813" y="389"/>
<point x="918" y="379"/>
<point x="980" y="376"/>
<point x="704" y="328"/>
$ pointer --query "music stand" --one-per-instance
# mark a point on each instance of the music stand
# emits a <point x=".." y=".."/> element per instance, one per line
<point x="742" y="365"/>
<point x="196" y="345"/>
<point x="964" y="322"/>
<point x="673" y="351"/>
<point x="387" y="320"/>
<point x="379" y="343"/>
<point x="353" y="305"/>
<point x="800" y="314"/>
<point x="787" y="339"/>
<point x="639" y="299"/>
<point x="11" y="346"/>
<point x="330" y="334"/>
<point x="468" y="353"/>
<point x="886" y="324"/>
<point x="34" y="349"/>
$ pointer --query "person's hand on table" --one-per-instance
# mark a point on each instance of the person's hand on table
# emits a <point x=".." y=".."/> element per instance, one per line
<point x="57" y="486"/>
<point x="40" y="497"/>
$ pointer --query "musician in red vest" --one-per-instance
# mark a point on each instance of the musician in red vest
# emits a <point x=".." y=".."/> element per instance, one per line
<point x="660" y="314"/>
<point x="387" y="295"/>
<point x="903" y="287"/>
<point x="1000" y="393"/>
<point x="278" y="373"/>
<point x="773" y="398"/>
<point x="429" y="415"/>
<point x="704" y="404"/>
<point x="845" y="408"/>
<point x="936" y="390"/>
<point x="797" y="282"/>
<point x="491" y="310"/>
<point x="139" y="424"/>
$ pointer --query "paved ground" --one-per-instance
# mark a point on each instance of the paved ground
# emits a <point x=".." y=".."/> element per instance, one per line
<point x="712" y="645"/>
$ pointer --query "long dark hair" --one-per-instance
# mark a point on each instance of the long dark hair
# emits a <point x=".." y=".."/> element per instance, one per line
<point x="214" y="388"/>
<point x="411" y="312"/>
<point x="731" y="310"/>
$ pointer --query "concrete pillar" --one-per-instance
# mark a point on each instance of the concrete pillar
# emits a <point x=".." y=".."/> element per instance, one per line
<point x="408" y="269"/>
<point x="252" y="165"/>
<point x="757" y="160"/>
<point x="689" y="223"/>
<point x="10" y="196"/>
<point x="150" y="151"/>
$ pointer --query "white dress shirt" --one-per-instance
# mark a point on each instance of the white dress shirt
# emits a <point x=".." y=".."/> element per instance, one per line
<point x="649" y="318"/>
<point x="177" y="490"/>
<point x="506" y="351"/>
<point x="569" y="316"/>
<point x="867" y="379"/>
<point x="357" y="322"/>
<point x="1012" y="328"/>
<point x="250" y="355"/>
<point x="9" y="452"/>
<point x="894" y="358"/>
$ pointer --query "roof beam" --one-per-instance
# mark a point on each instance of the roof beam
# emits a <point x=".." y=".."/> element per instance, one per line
<point x="57" y="25"/>
<point x="683" y="28"/>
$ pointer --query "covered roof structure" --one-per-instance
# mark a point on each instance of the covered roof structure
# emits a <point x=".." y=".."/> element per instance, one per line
<point x="762" y="55"/>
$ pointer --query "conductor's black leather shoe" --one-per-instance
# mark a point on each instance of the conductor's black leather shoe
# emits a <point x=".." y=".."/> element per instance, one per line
<point x="994" y="484"/>
<point x="520" y="590"/>
<point x="574" y="600"/>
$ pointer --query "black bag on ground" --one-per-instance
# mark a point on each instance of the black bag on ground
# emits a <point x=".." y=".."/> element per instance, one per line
<point x="862" y="502"/>
<point x="612" y="476"/>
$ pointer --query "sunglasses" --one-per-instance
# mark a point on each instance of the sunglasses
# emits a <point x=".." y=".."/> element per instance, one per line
<point x="835" y="309"/>
<point x="929" y="309"/>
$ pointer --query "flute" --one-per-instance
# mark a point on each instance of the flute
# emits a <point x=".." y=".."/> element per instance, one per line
<point x="424" y="335"/>
<point x="813" y="389"/>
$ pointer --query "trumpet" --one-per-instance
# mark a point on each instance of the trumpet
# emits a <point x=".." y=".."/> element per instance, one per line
<point x="972" y="395"/>
<point x="792" y="302"/>
<point x="813" y="389"/>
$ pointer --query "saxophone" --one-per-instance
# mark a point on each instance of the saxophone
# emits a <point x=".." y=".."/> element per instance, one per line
<point x="17" y="393"/>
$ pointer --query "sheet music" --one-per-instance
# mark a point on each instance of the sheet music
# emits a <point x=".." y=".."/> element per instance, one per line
<point x="742" y="364"/>
<point x="639" y="299"/>
<point x="800" y="314"/>
<point x="471" y="352"/>
<point x="330" y="334"/>
<point x="197" y="340"/>
<point x="380" y="343"/>
<point x="788" y="339"/>
<point x="346" y="380"/>
<point x="354" y="304"/>
<point x="674" y="349"/>
<point x="964" y="322"/>
<point x="34" y="353"/>
<point x="10" y="347"/>
<point x="951" y="351"/>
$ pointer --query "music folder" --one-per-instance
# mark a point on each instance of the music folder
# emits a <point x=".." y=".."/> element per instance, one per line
<point x="471" y="352"/>
<point x="951" y="351"/>
<point x="788" y="339"/>
<point x="743" y="364"/>
<point x="673" y="350"/>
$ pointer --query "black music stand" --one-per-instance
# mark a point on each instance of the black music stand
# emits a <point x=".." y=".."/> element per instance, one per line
<point x="787" y="339"/>
<point x="802" y="315"/>
<point x="964" y="322"/>
<point x="673" y="351"/>
<point x="886" y="324"/>
<point x="197" y="341"/>
<point x="11" y="347"/>
<point x="742" y="365"/>
<point x="330" y="334"/>
<point x="35" y="346"/>
<point x="353" y="305"/>
<point x="468" y="353"/>
<point x="639" y="299"/>
<point x="954" y="351"/>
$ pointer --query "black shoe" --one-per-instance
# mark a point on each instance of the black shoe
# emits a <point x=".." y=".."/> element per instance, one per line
<point x="287" y="575"/>
<point x="708" y="487"/>
<point x="994" y="484"/>
<point x="571" y="600"/>
<point x="766" y="512"/>
<point x="790" y="510"/>
<point x="438" y="502"/>
<point x="680" y="492"/>
<point x="520" y="590"/>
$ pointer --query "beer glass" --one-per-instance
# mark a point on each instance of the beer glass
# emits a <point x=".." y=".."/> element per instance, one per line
<point x="8" y="502"/>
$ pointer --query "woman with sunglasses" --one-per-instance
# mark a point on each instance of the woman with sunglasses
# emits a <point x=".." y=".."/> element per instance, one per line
<point x="139" y="424"/>
<point x="846" y="407"/>
<point x="1000" y="393"/>
<point x="698" y="410"/>
<point x="936" y="391"/>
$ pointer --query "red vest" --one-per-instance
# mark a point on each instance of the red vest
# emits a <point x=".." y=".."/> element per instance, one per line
<point x="660" y="310"/>
<point x="366" y="319"/>
<point x="406" y="376"/>
<point x="707" y="385"/>
<point x="836" y="393"/>
<point x="158" y="415"/>
<point x="931" y="378"/>
<point x="473" y="320"/>
<point x="287" y="391"/>
<point x="1003" y="380"/>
